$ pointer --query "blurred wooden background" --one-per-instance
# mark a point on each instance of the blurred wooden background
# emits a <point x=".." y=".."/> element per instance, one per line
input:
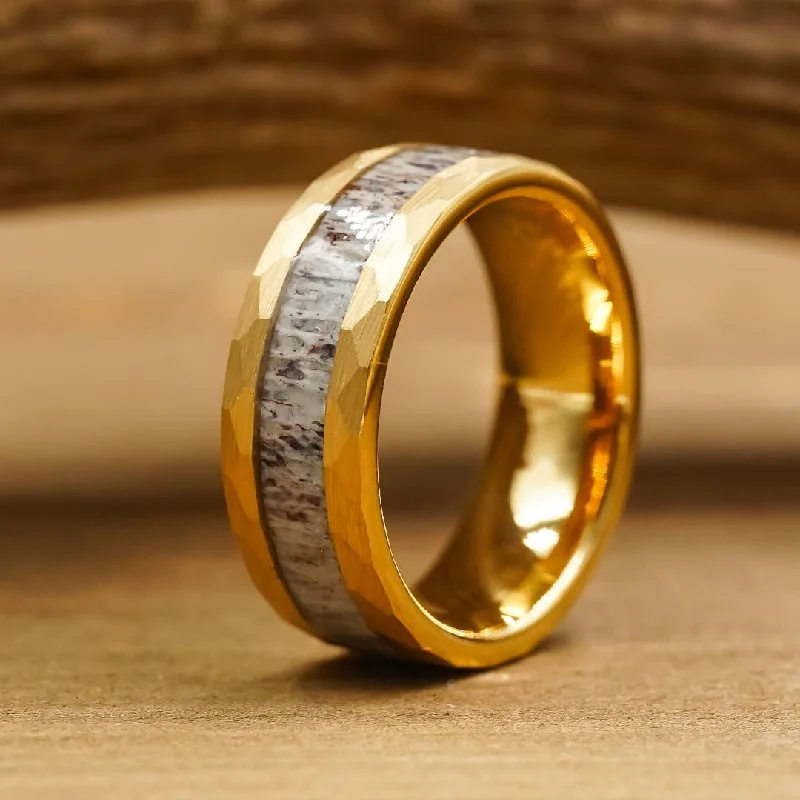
<point x="688" y="107"/>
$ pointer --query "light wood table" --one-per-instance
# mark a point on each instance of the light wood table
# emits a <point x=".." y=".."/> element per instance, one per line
<point x="139" y="662"/>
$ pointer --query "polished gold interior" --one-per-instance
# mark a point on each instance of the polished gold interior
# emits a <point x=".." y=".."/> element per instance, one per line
<point x="561" y="402"/>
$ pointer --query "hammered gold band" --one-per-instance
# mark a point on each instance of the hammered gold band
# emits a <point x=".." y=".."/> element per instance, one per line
<point x="303" y="390"/>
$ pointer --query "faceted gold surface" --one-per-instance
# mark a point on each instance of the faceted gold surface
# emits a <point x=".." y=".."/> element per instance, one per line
<point x="350" y="453"/>
<point x="557" y="472"/>
<point x="239" y="394"/>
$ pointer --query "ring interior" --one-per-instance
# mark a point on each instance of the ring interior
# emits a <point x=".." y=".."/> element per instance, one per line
<point x="562" y="401"/>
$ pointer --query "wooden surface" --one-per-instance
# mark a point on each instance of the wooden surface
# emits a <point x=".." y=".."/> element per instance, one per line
<point x="688" y="107"/>
<point x="128" y="309"/>
<point x="138" y="661"/>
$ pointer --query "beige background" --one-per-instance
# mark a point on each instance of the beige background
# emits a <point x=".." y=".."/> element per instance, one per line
<point x="116" y="320"/>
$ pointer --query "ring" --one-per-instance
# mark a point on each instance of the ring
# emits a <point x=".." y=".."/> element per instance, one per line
<point x="303" y="392"/>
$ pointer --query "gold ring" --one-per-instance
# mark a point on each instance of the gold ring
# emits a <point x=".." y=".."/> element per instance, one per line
<point x="303" y="391"/>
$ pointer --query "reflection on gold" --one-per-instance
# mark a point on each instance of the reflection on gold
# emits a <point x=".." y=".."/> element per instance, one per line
<point x="559" y="414"/>
<point x="541" y="508"/>
<point x="541" y="541"/>
<point x="540" y="495"/>
<point x="514" y="605"/>
<point x="601" y="317"/>
<point x="543" y="488"/>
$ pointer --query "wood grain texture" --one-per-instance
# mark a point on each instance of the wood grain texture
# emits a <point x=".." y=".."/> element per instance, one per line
<point x="138" y="661"/>
<point x="689" y="106"/>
